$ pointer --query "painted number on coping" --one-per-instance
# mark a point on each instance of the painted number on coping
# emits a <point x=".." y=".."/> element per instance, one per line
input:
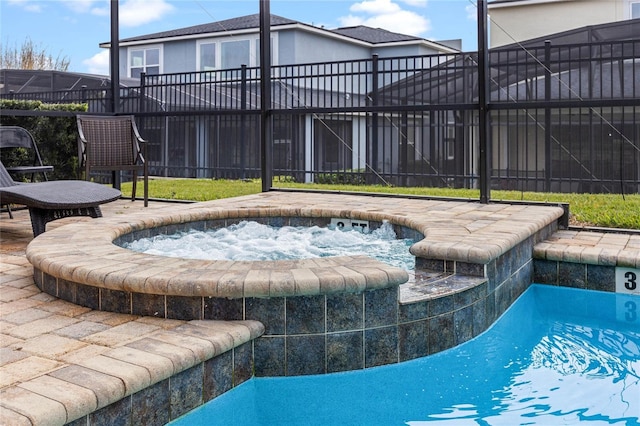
<point x="631" y="281"/>
<point x="627" y="281"/>
<point x="348" y="224"/>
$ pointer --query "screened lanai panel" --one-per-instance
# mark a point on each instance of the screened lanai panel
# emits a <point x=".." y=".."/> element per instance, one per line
<point x="581" y="150"/>
<point x="590" y="72"/>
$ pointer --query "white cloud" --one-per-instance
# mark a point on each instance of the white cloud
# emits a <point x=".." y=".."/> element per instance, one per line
<point x="27" y="5"/>
<point x="79" y="6"/>
<point x="472" y="13"/>
<point x="375" y="7"/>
<point x="102" y="11"/>
<point x="98" y="63"/>
<point x="416" y="3"/>
<point x="387" y="15"/>
<point x="133" y="13"/>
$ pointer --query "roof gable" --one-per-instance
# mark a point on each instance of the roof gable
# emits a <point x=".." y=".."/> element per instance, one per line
<point x="233" y="24"/>
<point x="374" y="35"/>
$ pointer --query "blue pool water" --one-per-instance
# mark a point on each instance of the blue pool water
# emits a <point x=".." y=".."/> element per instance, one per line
<point x="557" y="356"/>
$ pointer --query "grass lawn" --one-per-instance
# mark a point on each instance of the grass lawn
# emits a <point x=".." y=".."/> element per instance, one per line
<point x="603" y="210"/>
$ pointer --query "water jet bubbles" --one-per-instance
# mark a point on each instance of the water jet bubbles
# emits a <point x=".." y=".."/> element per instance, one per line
<point x="249" y="240"/>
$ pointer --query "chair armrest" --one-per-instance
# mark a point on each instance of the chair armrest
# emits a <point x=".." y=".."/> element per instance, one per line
<point x="142" y="143"/>
<point x="30" y="169"/>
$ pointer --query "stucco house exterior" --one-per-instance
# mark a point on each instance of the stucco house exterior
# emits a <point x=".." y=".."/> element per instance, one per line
<point x="517" y="20"/>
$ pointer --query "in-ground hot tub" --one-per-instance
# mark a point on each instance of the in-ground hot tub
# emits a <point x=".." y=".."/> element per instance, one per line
<point x="320" y="315"/>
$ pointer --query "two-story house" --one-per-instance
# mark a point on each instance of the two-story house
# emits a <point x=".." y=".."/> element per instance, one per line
<point x="310" y="141"/>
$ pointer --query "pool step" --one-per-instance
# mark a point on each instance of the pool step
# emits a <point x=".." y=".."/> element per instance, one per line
<point x="428" y="284"/>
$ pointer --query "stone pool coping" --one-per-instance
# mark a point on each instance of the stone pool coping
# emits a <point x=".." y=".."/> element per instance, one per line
<point x="591" y="247"/>
<point x="454" y="230"/>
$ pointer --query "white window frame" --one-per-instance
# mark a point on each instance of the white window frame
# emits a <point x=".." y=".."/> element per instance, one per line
<point x="130" y="51"/>
<point x="450" y="141"/>
<point x="254" y="43"/>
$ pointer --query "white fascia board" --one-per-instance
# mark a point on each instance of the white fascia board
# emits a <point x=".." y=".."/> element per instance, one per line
<point x="327" y="33"/>
<point x="433" y="45"/>
<point x="218" y="34"/>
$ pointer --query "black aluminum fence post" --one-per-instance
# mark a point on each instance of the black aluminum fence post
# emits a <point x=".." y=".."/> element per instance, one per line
<point x="114" y="56"/>
<point x="143" y="90"/>
<point x="266" y="135"/>
<point x="404" y="145"/>
<point x="374" y="115"/>
<point x="243" y="120"/>
<point x="483" y="105"/>
<point x="547" y="116"/>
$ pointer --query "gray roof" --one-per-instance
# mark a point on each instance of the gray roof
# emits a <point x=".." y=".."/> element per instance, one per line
<point x="361" y="33"/>
<point x="233" y="24"/>
<point x="374" y="35"/>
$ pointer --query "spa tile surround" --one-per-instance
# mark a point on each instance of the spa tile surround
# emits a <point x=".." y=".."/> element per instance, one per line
<point x="473" y="261"/>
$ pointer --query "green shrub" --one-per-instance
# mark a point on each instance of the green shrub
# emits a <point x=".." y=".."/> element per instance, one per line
<point x="55" y="135"/>
<point x="348" y="177"/>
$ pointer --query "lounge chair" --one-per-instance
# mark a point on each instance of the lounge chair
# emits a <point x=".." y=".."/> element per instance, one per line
<point x="13" y="137"/>
<point x="53" y="200"/>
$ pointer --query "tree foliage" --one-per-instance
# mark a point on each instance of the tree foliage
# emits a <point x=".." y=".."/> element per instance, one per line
<point x="30" y="56"/>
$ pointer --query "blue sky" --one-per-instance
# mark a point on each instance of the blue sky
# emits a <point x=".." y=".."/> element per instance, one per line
<point x="74" y="28"/>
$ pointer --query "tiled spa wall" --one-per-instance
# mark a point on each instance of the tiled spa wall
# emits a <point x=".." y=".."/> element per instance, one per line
<point x="330" y="333"/>
<point x="576" y="275"/>
<point x="171" y="398"/>
<point x="306" y="335"/>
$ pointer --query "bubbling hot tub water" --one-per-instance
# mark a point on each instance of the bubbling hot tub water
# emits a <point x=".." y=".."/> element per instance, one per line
<point x="252" y="241"/>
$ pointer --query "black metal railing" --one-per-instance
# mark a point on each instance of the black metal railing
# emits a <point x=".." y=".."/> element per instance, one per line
<point x="562" y="118"/>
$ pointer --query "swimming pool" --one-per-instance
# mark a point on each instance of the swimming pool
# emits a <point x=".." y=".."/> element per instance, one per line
<point x="557" y="356"/>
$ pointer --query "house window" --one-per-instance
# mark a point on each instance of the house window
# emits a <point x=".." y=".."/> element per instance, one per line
<point x="234" y="54"/>
<point x="230" y="53"/>
<point x="450" y="141"/>
<point x="635" y="10"/>
<point x="144" y="60"/>
<point x="207" y="57"/>
<point x="333" y="142"/>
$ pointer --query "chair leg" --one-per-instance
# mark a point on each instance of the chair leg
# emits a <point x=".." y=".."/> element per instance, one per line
<point x="133" y="186"/>
<point x="8" y="207"/>
<point x="146" y="187"/>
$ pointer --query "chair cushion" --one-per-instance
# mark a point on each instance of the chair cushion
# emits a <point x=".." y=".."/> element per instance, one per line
<point x="59" y="194"/>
